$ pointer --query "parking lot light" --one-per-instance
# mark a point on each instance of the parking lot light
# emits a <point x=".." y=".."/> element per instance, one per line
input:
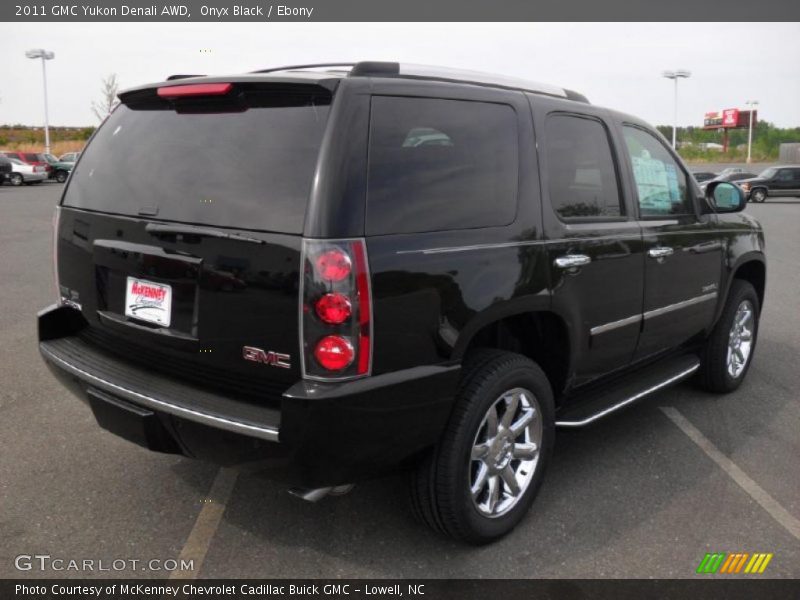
<point x="675" y="75"/>
<point x="45" y="55"/>
<point x="752" y="104"/>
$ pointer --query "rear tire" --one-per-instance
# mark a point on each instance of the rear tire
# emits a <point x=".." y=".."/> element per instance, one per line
<point x="15" y="179"/>
<point x="728" y="352"/>
<point x="758" y="195"/>
<point x="480" y="480"/>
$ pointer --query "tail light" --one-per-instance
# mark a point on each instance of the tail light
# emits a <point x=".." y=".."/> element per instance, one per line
<point x="335" y="310"/>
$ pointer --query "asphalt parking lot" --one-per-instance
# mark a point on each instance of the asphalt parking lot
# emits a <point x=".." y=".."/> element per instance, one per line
<point x="634" y="496"/>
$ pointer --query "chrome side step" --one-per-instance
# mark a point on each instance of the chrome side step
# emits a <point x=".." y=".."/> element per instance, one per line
<point x="645" y="383"/>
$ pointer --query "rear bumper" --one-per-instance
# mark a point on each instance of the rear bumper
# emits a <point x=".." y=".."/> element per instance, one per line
<point x="322" y="434"/>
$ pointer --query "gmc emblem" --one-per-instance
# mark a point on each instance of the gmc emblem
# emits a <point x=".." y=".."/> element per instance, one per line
<point x="267" y="357"/>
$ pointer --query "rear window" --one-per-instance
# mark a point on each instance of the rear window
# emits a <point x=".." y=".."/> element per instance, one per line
<point x="32" y="157"/>
<point x="249" y="164"/>
<point x="439" y="164"/>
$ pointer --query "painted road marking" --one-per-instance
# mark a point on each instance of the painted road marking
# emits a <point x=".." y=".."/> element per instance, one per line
<point x="205" y="526"/>
<point x="756" y="492"/>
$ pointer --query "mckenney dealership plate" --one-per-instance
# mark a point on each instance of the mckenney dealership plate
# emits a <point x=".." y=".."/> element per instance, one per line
<point x="148" y="301"/>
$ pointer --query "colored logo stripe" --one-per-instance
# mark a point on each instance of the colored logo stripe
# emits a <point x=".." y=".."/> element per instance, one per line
<point x="722" y="562"/>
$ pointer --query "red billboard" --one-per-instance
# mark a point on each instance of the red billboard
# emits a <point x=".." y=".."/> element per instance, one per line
<point x="730" y="118"/>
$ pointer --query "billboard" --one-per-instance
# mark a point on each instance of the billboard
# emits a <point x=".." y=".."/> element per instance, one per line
<point x="729" y="118"/>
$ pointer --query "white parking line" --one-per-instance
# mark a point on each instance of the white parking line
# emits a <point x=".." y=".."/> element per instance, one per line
<point x="206" y="524"/>
<point x="756" y="492"/>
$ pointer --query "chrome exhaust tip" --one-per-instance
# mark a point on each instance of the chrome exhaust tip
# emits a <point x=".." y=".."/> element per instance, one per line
<point x="317" y="494"/>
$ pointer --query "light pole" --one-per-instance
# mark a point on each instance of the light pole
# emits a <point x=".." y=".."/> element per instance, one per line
<point x="675" y="75"/>
<point x="752" y="104"/>
<point x="45" y="55"/>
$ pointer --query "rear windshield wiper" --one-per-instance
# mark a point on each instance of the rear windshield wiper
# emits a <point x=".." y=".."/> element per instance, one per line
<point x="164" y="229"/>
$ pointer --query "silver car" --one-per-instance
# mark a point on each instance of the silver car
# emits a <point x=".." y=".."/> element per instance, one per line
<point x="24" y="173"/>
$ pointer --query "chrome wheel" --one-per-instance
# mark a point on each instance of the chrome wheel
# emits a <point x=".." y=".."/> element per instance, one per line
<point x="740" y="339"/>
<point x="505" y="452"/>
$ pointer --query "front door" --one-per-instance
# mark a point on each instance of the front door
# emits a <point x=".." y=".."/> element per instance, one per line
<point x="593" y="241"/>
<point x="786" y="183"/>
<point x="683" y="254"/>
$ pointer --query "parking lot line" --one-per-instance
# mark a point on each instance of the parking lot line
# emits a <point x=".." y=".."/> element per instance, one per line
<point x="205" y="526"/>
<point x="756" y="492"/>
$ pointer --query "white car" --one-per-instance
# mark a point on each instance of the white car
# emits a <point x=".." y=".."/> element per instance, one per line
<point x="24" y="173"/>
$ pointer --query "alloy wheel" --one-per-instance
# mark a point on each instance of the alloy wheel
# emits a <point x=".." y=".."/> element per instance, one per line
<point x="505" y="452"/>
<point x="740" y="339"/>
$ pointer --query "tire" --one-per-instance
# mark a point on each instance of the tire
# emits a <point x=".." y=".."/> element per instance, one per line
<point x="441" y="494"/>
<point x="15" y="179"/>
<point x="722" y="369"/>
<point x="758" y="195"/>
<point x="61" y="176"/>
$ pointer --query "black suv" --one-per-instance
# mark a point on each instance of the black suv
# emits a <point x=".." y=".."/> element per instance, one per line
<point x="381" y="267"/>
<point x="775" y="182"/>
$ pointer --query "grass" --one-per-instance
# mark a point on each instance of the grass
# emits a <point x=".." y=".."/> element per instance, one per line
<point x="56" y="148"/>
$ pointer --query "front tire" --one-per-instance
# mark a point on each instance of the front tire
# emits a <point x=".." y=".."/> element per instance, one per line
<point x="61" y="176"/>
<point x="758" y="195"/>
<point x="729" y="350"/>
<point x="480" y="480"/>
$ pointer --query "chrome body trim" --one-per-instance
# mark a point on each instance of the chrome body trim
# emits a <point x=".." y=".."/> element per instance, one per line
<point x="615" y="324"/>
<point x="263" y="432"/>
<point x="674" y="379"/>
<point x="657" y="312"/>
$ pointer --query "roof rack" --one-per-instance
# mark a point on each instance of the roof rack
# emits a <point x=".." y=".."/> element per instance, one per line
<point x="410" y="71"/>
<point x="393" y="69"/>
<point x="305" y="67"/>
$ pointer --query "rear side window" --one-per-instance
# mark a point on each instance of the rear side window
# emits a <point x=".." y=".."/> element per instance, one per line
<point x="580" y="168"/>
<point x="438" y="164"/>
<point x="32" y="157"/>
<point x="660" y="182"/>
<point x="250" y="165"/>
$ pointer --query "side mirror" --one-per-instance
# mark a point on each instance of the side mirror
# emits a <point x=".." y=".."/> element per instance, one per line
<point x="725" y="197"/>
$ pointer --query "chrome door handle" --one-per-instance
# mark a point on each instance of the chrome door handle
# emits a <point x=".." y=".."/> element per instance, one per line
<point x="572" y="261"/>
<point x="660" y="252"/>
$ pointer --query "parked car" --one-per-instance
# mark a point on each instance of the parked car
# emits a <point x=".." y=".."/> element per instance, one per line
<point x="25" y="173"/>
<point x="777" y="182"/>
<point x="69" y="157"/>
<point x="31" y="158"/>
<point x="60" y="170"/>
<point x="732" y="177"/>
<point x="5" y="169"/>
<point x="440" y="308"/>
<point x="701" y="176"/>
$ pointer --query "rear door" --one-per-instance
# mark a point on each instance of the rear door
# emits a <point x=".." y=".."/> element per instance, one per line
<point x="786" y="183"/>
<point x="683" y="252"/>
<point x="593" y="241"/>
<point x="179" y="235"/>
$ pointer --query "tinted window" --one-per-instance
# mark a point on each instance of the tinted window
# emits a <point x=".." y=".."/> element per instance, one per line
<point x="580" y="168"/>
<point x="785" y="175"/>
<point x="250" y="168"/>
<point x="661" y="184"/>
<point x="32" y="157"/>
<point x="440" y="164"/>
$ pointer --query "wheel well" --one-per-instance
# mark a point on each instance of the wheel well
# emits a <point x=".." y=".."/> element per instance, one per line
<point x="541" y="336"/>
<point x="755" y="273"/>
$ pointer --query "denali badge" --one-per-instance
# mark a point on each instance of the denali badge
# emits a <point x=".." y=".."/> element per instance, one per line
<point x="268" y="357"/>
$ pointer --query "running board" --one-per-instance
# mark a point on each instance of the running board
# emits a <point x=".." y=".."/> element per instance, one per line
<point x="638" y="386"/>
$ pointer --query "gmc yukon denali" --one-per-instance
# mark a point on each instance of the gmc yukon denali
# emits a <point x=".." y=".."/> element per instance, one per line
<point x="329" y="273"/>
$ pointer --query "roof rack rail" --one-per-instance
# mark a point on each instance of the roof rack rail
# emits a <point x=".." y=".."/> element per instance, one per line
<point x="394" y="69"/>
<point x="303" y="67"/>
<point x="173" y="77"/>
